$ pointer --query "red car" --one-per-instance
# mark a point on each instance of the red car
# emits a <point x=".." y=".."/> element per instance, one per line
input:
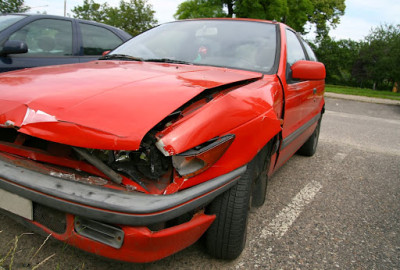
<point x="171" y="136"/>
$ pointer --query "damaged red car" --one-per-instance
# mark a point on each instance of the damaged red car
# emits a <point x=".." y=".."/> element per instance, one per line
<point x="170" y="137"/>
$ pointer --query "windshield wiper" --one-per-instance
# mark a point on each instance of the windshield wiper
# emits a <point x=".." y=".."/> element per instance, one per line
<point x="120" y="57"/>
<point x="168" y="60"/>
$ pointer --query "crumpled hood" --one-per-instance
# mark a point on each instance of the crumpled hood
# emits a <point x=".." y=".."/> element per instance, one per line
<point x="103" y="104"/>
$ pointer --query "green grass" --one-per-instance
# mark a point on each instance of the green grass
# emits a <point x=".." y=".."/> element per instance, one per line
<point x="362" y="92"/>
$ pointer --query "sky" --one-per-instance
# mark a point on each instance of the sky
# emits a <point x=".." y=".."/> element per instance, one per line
<point x="360" y="15"/>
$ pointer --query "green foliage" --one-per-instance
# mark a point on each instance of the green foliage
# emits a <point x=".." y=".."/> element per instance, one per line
<point x="326" y="13"/>
<point x="339" y="58"/>
<point x="372" y="63"/>
<point x="133" y="16"/>
<point x="378" y="63"/>
<point x="262" y="9"/>
<point x="90" y="11"/>
<point x="12" y="6"/>
<point x="296" y="13"/>
<point x="199" y="9"/>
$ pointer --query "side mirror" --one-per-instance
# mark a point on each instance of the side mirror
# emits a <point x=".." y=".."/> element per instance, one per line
<point x="14" y="47"/>
<point x="308" y="70"/>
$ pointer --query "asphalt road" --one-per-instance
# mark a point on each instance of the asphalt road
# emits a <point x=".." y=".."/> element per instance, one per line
<point x="337" y="209"/>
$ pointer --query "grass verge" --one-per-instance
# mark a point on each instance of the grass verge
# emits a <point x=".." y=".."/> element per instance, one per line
<point x="347" y="90"/>
<point x="8" y="259"/>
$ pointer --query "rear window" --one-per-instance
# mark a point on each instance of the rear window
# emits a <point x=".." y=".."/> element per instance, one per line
<point x="8" y="20"/>
<point x="97" y="40"/>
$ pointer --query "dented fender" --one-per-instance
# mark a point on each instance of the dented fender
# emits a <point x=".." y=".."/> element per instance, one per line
<point x="254" y="123"/>
<point x="222" y="114"/>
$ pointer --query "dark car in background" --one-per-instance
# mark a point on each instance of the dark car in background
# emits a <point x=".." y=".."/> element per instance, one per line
<point x="31" y="40"/>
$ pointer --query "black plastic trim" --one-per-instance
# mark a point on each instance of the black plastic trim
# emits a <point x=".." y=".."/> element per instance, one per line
<point x="299" y="131"/>
<point x="108" y="205"/>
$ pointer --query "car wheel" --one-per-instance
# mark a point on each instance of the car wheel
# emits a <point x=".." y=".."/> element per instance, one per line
<point x="226" y="237"/>
<point x="310" y="146"/>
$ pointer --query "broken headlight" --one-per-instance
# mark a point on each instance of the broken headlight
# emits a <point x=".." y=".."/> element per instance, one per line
<point x="202" y="157"/>
<point x="148" y="162"/>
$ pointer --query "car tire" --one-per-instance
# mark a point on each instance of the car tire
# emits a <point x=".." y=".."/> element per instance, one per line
<point x="226" y="237"/>
<point x="259" y="190"/>
<point x="310" y="146"/>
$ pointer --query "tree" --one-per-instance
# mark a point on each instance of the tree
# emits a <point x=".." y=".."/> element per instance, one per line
<point x="377" y="65"/>
<point x="298" y="14"/>
<point x="13" y="6"/>
<point x="91" y="11"/>
<point x="262" y="9"/>
<point x="324" y="14"/>
<point x="134" y="16"/>
<point x="339" y="58"/>
<point x="199" y="9"/>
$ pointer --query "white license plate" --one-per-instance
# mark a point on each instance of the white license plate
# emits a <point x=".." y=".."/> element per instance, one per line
<point x="16" y="204"/>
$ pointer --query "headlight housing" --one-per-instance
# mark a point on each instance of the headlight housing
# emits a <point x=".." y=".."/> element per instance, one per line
<point x="202" y="157"/>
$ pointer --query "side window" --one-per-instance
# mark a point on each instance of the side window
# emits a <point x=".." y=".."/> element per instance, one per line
<point x="294" y="53"/>
<point x="46" y="37"/>
<point x="294" y="49"/>
<point x="97" y="39"/>
<point x="310" y="52"/>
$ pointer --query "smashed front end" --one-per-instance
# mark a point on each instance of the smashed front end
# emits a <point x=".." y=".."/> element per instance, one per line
<point x="109" y="200"/>
<point x="132" y="205"/>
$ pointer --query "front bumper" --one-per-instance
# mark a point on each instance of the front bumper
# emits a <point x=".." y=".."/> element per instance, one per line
<point x="104" y="204"/>
<point x="132" y="212"/>
<point x="140" y="244"/>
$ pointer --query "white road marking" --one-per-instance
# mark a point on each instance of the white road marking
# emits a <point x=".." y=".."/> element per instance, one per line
<point x="363" y="117"/>
<point x="282" y="222"/>
<point x="372" y="133"/>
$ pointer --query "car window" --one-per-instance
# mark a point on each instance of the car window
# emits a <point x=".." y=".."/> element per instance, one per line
<point x="46" y="37"/>
<point x="97" y="39"/>
<point x="294" y="49"/>
<point x="7" y="20"/>
<point x="310" y="52"/>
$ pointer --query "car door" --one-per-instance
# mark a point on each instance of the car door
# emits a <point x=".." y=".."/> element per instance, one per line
<point x="95" y="40"/>
<point x="50" y="42"/>
<point x="298" y="95"/>
<point x="314" y="101"/>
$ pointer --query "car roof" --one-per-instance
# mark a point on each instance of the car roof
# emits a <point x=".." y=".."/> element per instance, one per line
<point x="280" y="24"/>
<point x="231" y="19"/>
<point x="47" y="16"/>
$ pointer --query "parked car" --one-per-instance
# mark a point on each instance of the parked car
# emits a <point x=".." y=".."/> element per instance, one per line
<point x="172" y="135"/>
<point x="42" y="40"/>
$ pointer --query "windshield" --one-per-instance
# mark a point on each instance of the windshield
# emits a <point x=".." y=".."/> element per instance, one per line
<point x="7" y="20"/>
<point x="224" y="43"/>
